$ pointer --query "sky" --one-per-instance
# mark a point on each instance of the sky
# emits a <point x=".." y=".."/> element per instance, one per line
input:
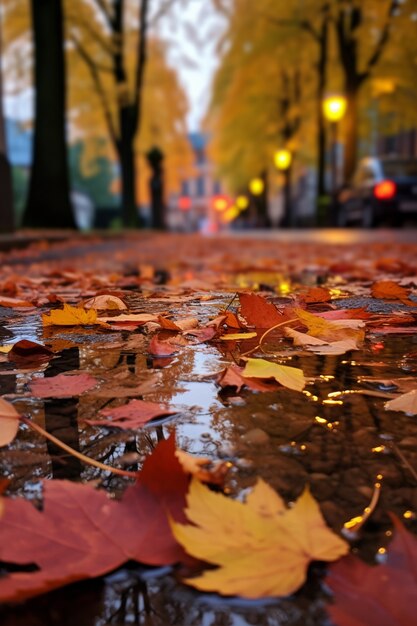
<point x="193" y="31"/>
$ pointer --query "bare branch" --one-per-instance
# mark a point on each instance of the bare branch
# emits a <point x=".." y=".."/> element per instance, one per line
<point x="95" y="75"/>
<point x="382" y="41"/>
<point x="105" y="12"/>
<point x="141" y="62"/>
<point x="94" y="34"/>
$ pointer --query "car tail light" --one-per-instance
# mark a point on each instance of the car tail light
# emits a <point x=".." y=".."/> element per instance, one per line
<point x="385" y="190"/>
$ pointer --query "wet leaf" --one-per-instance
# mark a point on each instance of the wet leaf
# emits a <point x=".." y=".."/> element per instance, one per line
<point x="379" y="595"/>
<point x="70" y="316"/>
<point x="258" y="312"/>
<point x="302" y="339"/>
<point x="136" y="318"/>
<point x="14" y="302"/>
<point x="105" y="302"/>
<point x="238" y="336"/>
<point x="233" y="377"/>
<point x="81" y="533"/>
<point x="389" y="290"/>
<point x="290" y="377"/>
<point x="316" y="295"/>
<point x="329" y="330"/>
<point x="203" y="468"/>
<point x="318" y="346"/>
<point x="132" y="415"/>
<point x="9" y="422"/>
<point x="158" y="347"/>
<point x="407" y="403"/>
<point x="261" y="547"/>
<point x="62" y="385"/>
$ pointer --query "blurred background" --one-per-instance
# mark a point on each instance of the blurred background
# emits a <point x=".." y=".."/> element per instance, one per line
<point x="207" y="115"/>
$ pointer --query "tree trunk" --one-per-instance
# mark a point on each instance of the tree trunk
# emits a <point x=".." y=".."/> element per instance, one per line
<point x="6" y="212"/>
<point x="321" y="87"/>
<point x="351" y="131"/>
<point x="128" y="168"/>
<point x="49" y="204"/>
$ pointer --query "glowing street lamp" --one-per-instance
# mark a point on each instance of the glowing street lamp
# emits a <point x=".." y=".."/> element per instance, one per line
<point x="256" y="186"/>
<point x="283" y="159"/>
<point x="242" y="203"/>
<point x="334" y="109"/>
<point x="283" y="162"/>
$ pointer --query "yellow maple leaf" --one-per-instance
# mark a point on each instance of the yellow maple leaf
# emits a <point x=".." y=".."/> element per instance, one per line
<point x="331" y="331"/>
<point x="261" y="547"/>
<point x="291" y="377"/>
<point x="70" y="316"/>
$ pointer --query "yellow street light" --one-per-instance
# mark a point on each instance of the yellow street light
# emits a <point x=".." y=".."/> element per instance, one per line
<point x="283" y="159"/>
<point x="256" y="186"/>
<point x="334" y="108"/>
<point x="242" y="202"/>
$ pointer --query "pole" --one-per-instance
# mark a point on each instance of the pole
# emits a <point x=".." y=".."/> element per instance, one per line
<point x="288" y="218"/>
<point x="331" y="219"/>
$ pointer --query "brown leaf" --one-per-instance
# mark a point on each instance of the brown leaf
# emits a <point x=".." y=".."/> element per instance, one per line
<point x="389" y="290"/>
<point x="9" y="422"/>
<point x="258" y="312"/>
<point x="232" y="377"/>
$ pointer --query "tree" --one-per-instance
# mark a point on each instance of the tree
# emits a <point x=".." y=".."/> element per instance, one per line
<point x="6" y="214"/>
<point x="48" y="204"/>
<point x="363" y="30"/>
<point x="112" y="38"/>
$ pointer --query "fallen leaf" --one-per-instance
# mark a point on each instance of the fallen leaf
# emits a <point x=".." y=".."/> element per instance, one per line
<point x="232" y="377"/>
<point x="379" y="595"/>
<point x="9" y="422"/>
<point x="302" y="339"/>
<point x="202" y="468"/>
<point x="62" y="385"/>
<point x="232" y="320"/>
<point x="388" y="290"/>
<point x="316" y="295"/>
<point x="138" y="318"/>
<point x="70" y="316"/>
<point x="159" y="347"/>
<point x="105" y="302"/>
<point x="335" y="347"/>
<point x="132" y="415"/>
<point x="290" y="377"/>
<point x="82" y="533"/>
<point x="262" y="548"/>
<point x="238" y="336"/>
<point x="14" y="302"/>
<point x="328" y="330"/>
<point x="6" y="349"/>
<point x="26" y="352"/>
<point x="407" y="403"/>
<point x="258" y="312"/>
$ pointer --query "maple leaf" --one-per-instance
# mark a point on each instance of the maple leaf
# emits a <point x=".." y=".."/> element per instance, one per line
<point x="261" y="547"/>
<point x="291" y="377"/>
<point x="70" y="316"/>
<point x="62" y="385"/>
<point x="9" y="422"/>
<point x="134" y="414"/>
<point x="316" y="295"/>
<point x="233" y="377"/>
<point x="382" y="595"/>
<point x="406" y="402"/>
<point x="81" y="533"/>
<point x="389" y="290"/>
<point x="328" y="330"/>
<point x="258" y="312"/>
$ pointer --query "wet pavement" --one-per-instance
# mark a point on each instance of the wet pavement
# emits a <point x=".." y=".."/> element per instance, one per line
<point x="333" y="436"/>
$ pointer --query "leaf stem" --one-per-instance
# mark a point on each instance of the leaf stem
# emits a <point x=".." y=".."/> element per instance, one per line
<point x="76" y="453"/>
<point x="355" y="524"/>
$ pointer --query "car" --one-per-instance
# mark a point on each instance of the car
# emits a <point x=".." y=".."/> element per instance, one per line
<point x="382" y="191"/>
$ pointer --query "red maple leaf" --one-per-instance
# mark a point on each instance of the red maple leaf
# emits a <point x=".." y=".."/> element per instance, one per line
<point x="62" y="385"/>
<point x="381" y="595"/>
<point x="258" y="312"/>
<point x="81" y="533"/>
<point x="134" y="414"/>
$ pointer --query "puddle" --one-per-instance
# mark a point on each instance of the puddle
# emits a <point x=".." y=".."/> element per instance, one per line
<point x="286" y="438"/>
